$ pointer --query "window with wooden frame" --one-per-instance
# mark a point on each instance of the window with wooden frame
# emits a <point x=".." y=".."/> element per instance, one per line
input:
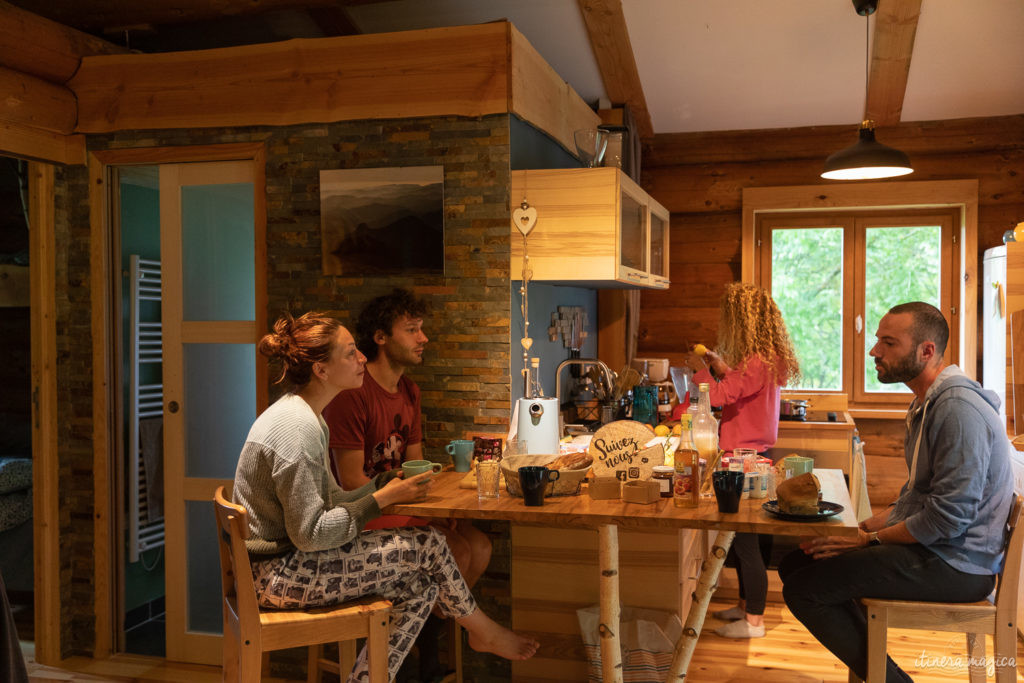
<point x="834" y="275"/>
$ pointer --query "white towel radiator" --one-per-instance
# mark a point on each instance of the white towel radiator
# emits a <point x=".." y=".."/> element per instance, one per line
<point x="144" y="401"/>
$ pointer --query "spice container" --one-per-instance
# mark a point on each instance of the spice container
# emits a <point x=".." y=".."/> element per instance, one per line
<point x="662" y="474"/>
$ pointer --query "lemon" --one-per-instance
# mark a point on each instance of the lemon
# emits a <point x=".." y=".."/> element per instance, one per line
<point x="677" y="429"/>
<point x="662" y="430"/>
<point x="700" y="349"/>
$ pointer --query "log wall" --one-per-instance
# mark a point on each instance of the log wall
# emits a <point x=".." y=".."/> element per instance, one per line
<point x="38" y="112"/>
<point x="700" y="179"/>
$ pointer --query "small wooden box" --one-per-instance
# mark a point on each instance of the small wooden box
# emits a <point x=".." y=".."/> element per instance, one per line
<point x="642" y="491"/>
<point x="604" y="488"/>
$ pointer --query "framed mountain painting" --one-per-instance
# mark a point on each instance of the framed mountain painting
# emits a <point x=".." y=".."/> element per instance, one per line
<point x="382" y="221"/>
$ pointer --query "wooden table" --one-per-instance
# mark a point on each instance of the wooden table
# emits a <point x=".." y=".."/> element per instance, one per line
<point x="447" y="499"/>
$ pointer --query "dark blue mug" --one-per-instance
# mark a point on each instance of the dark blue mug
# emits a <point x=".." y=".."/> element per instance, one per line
<point x="728" y="489"/>
<point x="533" y="479"/>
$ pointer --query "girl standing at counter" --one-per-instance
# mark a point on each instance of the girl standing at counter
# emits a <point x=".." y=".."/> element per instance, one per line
<point x="755" y="359"/>
<point x="307" y="543"/>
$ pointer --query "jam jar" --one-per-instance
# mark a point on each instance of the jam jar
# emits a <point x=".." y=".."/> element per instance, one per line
<point x="663" y="475"/>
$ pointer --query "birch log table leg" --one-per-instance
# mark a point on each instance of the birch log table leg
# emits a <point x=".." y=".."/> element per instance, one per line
<point x="608" y="629"/>
<point x="709" y="573"/>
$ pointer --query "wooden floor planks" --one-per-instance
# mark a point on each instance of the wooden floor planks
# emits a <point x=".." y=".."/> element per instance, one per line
<point x="787" y="654"/>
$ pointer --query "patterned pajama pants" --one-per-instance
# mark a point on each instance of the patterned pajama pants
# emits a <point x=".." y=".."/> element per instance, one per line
<point x="411" y="567"/>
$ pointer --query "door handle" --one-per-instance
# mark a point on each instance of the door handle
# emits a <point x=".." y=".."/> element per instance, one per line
<point x="172" y="406"/>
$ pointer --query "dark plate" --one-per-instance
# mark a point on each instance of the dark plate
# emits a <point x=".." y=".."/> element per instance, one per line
<point x="825" y="510"/>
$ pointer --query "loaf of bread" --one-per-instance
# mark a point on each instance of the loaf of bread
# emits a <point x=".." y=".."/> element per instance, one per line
<point x="799" y="495"/>
<point x="571" y="461"/>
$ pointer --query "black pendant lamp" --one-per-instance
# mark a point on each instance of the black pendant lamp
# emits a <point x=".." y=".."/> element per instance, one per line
<point x="866" y="158"/>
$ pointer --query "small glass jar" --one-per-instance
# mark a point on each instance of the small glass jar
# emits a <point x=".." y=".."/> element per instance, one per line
<point x="663" y="475"/>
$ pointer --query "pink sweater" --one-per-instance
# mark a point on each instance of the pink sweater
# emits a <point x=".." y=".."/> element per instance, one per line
<point x="750" y="405"/>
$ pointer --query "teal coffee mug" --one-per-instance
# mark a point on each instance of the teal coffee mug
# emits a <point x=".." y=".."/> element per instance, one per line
<point x="461" y="451"/>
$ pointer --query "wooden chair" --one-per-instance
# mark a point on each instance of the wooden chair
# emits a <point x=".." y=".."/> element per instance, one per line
<point x="250" y="631"/>
<point x="973" y="618"/>
<point x="347" y="656"/>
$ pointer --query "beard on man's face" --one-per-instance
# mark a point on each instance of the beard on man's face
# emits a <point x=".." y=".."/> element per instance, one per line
<point x="903" y="370"/>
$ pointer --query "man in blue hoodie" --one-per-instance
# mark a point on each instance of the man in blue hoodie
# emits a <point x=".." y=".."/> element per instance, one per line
<point x="942" y="539"/>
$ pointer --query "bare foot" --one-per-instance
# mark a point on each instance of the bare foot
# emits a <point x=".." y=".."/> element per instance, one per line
<point x="486" y="635"/>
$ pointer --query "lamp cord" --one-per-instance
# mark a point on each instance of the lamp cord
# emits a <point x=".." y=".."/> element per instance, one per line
<point x="867" y="60"/>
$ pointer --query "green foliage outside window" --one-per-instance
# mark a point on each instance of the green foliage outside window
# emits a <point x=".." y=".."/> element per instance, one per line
<point x="902" y="264"/>
<point x="807" y="285"/>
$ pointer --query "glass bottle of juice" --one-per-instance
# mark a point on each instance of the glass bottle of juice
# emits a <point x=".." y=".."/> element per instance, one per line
<point x="705" y="426"/>
<point x="686" y="482"/>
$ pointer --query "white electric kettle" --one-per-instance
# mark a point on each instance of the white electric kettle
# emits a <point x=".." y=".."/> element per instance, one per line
<point x="538" y="425"/>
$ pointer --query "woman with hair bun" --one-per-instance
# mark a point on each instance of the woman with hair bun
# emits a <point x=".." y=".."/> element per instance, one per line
<point x="754" y="360"/>
<point x="307" y="543"/>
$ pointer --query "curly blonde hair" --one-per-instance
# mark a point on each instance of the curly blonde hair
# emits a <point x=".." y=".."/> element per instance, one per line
<point x="751" y="325"/>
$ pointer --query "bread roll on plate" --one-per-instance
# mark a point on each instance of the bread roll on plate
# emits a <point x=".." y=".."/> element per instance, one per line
<point x="799" y="495"/>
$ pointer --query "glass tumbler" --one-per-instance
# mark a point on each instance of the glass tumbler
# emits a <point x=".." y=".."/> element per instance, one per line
<point x="487" y="477"/>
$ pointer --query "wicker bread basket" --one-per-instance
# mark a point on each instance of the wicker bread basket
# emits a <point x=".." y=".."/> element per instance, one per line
<point x="567" y="484"/>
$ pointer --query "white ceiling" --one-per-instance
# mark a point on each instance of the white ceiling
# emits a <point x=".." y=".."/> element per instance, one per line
<point x="745" y="64"/>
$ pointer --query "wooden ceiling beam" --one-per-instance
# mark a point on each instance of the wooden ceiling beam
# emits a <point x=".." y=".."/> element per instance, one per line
<point x="606" y="26"/>
<point x="34" y="103"/>
<point x="452" y="71"/>
<point x="39" y="47"/>
<point x="972" y="135"/>
<point x="895" y="29"/>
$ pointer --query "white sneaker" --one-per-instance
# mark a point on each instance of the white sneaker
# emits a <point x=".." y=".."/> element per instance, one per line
<point x="731" y="614"/>
<point x="740" y="629"/>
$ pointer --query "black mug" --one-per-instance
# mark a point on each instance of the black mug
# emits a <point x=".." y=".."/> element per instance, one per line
<point x="728" y="489"/>
<point x="533" y="479"/>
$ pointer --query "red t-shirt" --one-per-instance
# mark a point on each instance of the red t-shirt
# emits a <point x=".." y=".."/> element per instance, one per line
<point x="381" y="424"/>
<point x="750" y="405"/>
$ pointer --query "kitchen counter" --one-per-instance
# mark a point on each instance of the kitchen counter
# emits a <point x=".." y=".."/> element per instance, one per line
<point x="831" y="443"/>
<point x="820" y="419"/>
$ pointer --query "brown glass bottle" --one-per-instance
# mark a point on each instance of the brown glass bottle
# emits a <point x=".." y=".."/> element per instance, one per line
<point x="686" y="483"/>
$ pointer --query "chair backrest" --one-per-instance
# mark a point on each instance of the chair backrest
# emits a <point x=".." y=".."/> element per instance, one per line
<point x="1009" y="578"/>
<point x="238" y="589"/>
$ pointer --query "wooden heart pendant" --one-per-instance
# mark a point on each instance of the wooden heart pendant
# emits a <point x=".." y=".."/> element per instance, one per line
<point x="524" y="219"/>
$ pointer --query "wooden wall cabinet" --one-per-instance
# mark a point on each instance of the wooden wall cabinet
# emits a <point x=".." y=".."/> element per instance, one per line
<point x="595" y="228"/>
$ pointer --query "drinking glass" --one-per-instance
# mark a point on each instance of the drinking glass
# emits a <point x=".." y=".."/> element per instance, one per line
<point x="591" y="144"/>
<point x="515" y="447"/>
<point x="488" y="475"/>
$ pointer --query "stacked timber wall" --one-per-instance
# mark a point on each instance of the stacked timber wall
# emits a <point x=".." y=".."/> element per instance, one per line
<point x="700" y="178"/>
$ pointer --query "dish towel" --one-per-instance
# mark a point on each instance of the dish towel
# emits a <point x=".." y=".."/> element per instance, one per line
<point x="151" y="445"/>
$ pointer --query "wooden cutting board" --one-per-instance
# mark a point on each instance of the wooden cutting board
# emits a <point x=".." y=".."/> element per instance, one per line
<point x="619" y="449"/>
<point x="1017" y="369"/>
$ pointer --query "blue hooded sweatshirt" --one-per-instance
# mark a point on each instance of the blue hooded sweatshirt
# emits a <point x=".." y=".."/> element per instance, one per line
<point x="958" y="496"/>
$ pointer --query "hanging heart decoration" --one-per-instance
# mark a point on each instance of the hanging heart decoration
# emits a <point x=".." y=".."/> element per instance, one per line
<point x="524" y="218"/>
<point x="527" y="343"/>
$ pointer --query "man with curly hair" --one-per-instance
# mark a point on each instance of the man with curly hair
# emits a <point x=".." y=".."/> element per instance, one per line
<point x="377" y="427"/>
<point x="754" y="360"/>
